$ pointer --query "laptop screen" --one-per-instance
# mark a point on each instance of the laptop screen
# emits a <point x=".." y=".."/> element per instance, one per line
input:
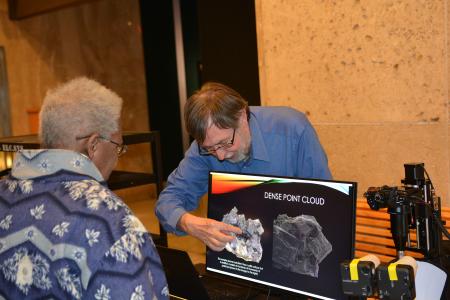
<point x="183" y="279"/>
<point x="296" y="232"/>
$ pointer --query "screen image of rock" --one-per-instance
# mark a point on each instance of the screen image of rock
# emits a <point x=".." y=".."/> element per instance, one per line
<point x="247" y="245"/>
<point x="299" y="244"/>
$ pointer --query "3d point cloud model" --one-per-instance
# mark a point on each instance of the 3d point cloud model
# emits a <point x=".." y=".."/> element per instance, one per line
<point x="247" y="245"/>
<point x="299" y="244"/>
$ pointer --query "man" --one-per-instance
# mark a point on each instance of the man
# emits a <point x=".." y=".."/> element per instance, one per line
<point x="63" y="233"/>
<point x="230" y="136"/>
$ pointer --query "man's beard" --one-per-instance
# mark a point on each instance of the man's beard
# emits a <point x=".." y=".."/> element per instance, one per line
<point x="239" y="157"/>
<point x="242" y="154"/>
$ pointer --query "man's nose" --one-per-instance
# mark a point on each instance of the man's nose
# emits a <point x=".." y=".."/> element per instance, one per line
<point x="220" y="153"/>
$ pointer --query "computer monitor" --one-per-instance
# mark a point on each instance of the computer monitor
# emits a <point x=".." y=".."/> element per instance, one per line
<point x="296" y="232"/>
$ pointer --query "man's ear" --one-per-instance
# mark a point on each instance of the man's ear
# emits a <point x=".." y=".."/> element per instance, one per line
<point x="92" y="145"/>
<point x="243" y="116"/>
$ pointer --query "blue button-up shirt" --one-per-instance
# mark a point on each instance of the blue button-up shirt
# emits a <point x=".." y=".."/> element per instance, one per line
<point x="283" y="144"/>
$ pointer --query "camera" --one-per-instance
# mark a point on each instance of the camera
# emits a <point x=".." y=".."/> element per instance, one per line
<point x="416" y="225"/>
<point x="412" y="207"/>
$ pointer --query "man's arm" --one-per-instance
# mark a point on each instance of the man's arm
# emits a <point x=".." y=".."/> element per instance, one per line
<point x="213" y="233"/>
<point x="185" y="185"/>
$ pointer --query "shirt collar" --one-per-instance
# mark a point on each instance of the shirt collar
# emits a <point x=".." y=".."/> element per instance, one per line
<point x="259" y="150"/>
<point x="29" y="164"/>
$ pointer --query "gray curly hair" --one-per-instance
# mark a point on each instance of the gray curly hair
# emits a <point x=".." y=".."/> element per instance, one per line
<point x="216" y="102"/>
<point x="77" y="108"/>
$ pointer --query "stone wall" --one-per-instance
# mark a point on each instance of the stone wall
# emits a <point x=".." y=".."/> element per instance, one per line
<point x="372" y="76"/>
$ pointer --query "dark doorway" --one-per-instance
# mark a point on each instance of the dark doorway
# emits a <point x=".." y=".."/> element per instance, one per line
<point x="161" y="76"/>
<point x="227" y="35"/>
<point x="219" y="39"/>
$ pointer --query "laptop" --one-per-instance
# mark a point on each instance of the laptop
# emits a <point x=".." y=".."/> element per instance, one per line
<point x="183" y="279"/>
<point x="186" y="283"/>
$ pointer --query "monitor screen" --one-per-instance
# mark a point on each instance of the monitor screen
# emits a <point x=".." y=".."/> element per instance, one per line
<point x="296" y="232"/>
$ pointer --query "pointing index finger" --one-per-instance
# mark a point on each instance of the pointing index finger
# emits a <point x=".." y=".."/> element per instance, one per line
<point x="229" y="228"/>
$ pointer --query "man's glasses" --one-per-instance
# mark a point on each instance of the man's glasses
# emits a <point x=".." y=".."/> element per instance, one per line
<point x="121" y="149"/>
<point x="213" y="149"/>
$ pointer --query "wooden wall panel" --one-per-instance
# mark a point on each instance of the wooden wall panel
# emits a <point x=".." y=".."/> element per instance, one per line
<point x="101" y="39"/>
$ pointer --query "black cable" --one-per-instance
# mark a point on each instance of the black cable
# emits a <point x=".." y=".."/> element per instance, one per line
<point x="428" y="176"/>
<point x="438" y="221"/>
<point x="441" y="226"/>
<point x="268" y="295"/>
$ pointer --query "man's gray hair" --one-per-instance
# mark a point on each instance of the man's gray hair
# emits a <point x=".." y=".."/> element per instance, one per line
<point x="78" y="108"/>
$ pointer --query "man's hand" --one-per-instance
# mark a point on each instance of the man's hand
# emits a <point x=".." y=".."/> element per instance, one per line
<point x="213" y="233"/>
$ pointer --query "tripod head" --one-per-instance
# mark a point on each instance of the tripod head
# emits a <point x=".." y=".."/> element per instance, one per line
<point x="412" y="207"/>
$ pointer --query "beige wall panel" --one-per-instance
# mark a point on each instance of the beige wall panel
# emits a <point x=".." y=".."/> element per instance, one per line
<point x="101" y="40"/>
<point x="373" y="155"/>
<point x="371" y="75"/>
<point x="354" y="60"/>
